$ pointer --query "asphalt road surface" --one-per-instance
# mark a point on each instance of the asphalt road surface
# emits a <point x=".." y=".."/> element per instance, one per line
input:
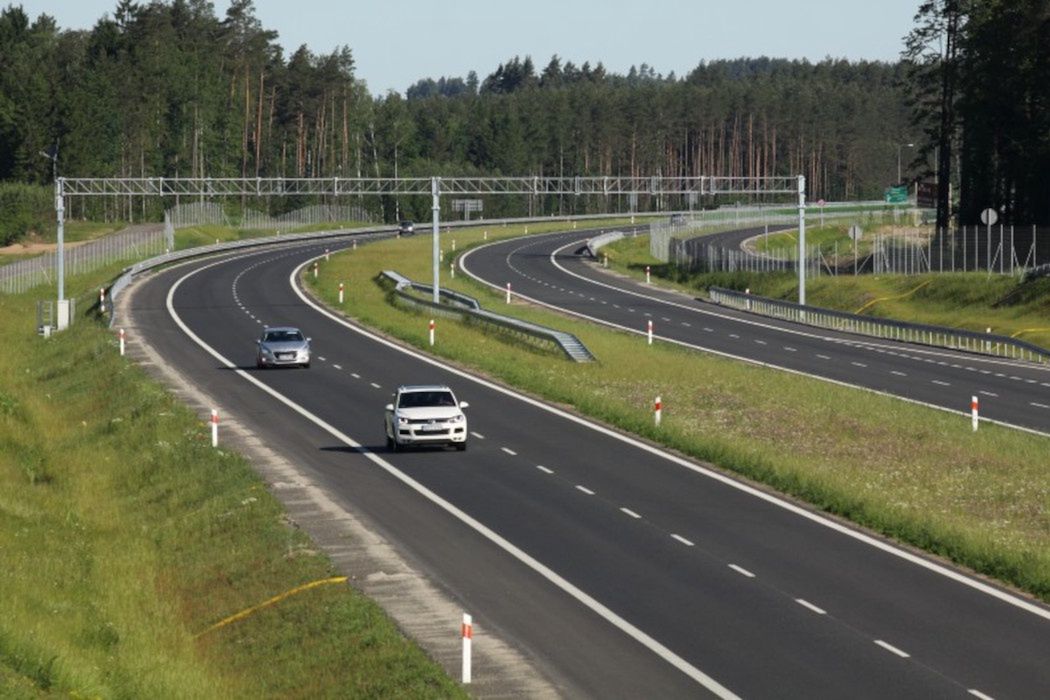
<point x="545" y="269"/>
<point x="619" y="570"/>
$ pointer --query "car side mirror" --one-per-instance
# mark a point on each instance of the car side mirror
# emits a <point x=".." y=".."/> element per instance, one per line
<point x="258" y="342"/>
<point x="390" y="407"/>
<point x="464" y="404"/>
<point x="309" y="339"/>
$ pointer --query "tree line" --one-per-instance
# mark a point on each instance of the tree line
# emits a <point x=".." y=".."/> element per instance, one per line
<point x="978" y="74"/>
<point x="173" y="89"/>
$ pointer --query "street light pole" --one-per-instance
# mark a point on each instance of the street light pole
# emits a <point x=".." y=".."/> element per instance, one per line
<point x="899" y="146"/>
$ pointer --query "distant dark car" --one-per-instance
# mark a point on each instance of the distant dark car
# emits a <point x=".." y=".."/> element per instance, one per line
<point x="678" y="220"/>
<point x="283" y="347"/>
<point x="406" y="228"/>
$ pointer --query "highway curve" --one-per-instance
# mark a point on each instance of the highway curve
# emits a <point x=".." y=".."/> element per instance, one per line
<point x="546" y="270"/>
<point x="617" y="569"/>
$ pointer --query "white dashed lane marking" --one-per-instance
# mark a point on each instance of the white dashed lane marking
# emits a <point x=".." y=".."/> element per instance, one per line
<point x="509" y="451"/>
<point x="989" y="393"/>
<point x="892" y="649"/>
<point x="824" y="357"/>
<point x="337" y="366"/>
<point x="940" y="383"/>
<point x="584" y="489"/>
<point x="681" y="539"/>
<point x="376" y="386"/>
<point x="479" y="436"/>
<point x="810" y="606"/>
<point x="741" y="570"/>
<point x="630" y="512"/>
<point x="1039" y="405"/>
<point x="858" y="364"/>
<point x="544" y="469"/>
<point x="899" y="374"/>
<point x="355" y="375"/>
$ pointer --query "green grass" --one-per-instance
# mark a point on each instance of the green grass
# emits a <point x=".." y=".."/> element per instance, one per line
<point x="915" y="474"/>
<point x="124" y="534"/>
<point x="971" y="301"/>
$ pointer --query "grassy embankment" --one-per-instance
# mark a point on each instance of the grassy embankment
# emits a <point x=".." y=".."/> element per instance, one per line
<point x="971" y="300"/>
<point x="124" y="536"/>
<point x="921" y="476"/>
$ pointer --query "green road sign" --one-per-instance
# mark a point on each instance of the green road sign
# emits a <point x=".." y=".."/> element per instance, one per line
<point x="897" y="195"/>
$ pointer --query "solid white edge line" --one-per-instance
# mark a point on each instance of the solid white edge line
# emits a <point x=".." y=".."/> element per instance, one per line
<point x="741" y="570"/>
<point x="806" y="604"/>
<point x="887" y="547"/>
<point x="546" y="572"/>
<point x="892" y="649"/>
<point x="631" y="513"/>
<point x="749" y="360"/>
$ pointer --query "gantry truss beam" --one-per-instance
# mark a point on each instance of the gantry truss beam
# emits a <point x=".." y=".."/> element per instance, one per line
<point x="339" y="186"/>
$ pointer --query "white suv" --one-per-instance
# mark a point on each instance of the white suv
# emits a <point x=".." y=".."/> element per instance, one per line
<point x="425" y="415"/>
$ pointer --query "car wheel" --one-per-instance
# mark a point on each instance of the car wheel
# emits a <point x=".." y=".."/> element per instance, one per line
<point x="395" y="446"/>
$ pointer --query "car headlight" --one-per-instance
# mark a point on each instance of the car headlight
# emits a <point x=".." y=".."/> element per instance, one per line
<point x="402" y="421"/>
<point x="457" y="419"/>
<point x="304" y="354"/>
<point x="267" y="352"/>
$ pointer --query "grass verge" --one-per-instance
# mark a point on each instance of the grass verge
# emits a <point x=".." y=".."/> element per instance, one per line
<point x="124" y="535"/>
<point x="918" y="475"/>
<point x="973" y="301"/>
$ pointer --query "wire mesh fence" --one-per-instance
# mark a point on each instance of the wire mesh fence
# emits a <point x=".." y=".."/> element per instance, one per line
<point x="1005" y="250"/>
<point x="131" y="244"/>
<point x="307" y="216"/>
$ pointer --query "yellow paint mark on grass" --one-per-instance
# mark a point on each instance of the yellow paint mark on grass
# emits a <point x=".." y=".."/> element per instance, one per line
<point x="899" y="296"/>
<point x="1029" y="330"/>
<point x="272" y="601"/>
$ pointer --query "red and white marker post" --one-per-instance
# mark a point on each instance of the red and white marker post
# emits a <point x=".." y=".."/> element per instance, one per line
<point x="102" y="299"/>
<point x="649" y="331"/>
<point x="747" y="292"/>
<point x="452" y="270"/>
<point x="467" y="632"/>
<point x="341" y="288"/>
<point x="974" y="412"/>
<point x="214" y="428"/>
<point x="431" y="331"/>
<point x="315" y="269"/>
<point x="648" y="277"/>
<point x="658" y="409"/>
<point x="122" y="342"/>
<point x="508" y="292"/>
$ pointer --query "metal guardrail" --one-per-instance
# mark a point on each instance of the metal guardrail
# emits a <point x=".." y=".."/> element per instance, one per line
<point x="596" y="243"/>
<point x="903" y="331"/>
<point x="465" y="307"/>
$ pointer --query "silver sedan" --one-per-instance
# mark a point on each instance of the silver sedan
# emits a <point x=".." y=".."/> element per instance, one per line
<point x="281" y="347"/>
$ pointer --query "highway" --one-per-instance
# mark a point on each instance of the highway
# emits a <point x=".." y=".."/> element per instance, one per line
<point x="619" y="570"/>
<point x="546" y="270"/>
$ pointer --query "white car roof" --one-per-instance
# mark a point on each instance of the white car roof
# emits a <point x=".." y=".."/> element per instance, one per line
<point x="404" y="389"/>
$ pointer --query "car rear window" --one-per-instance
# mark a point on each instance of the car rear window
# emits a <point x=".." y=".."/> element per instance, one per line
<point x="419" y="399"/>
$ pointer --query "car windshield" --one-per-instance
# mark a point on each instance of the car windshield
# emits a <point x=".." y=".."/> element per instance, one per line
<point x="420" y="399"/>
<point x="283" y="336"/>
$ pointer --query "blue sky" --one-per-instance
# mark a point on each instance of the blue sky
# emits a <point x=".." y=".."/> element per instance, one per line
<point x="396" y="42"/>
